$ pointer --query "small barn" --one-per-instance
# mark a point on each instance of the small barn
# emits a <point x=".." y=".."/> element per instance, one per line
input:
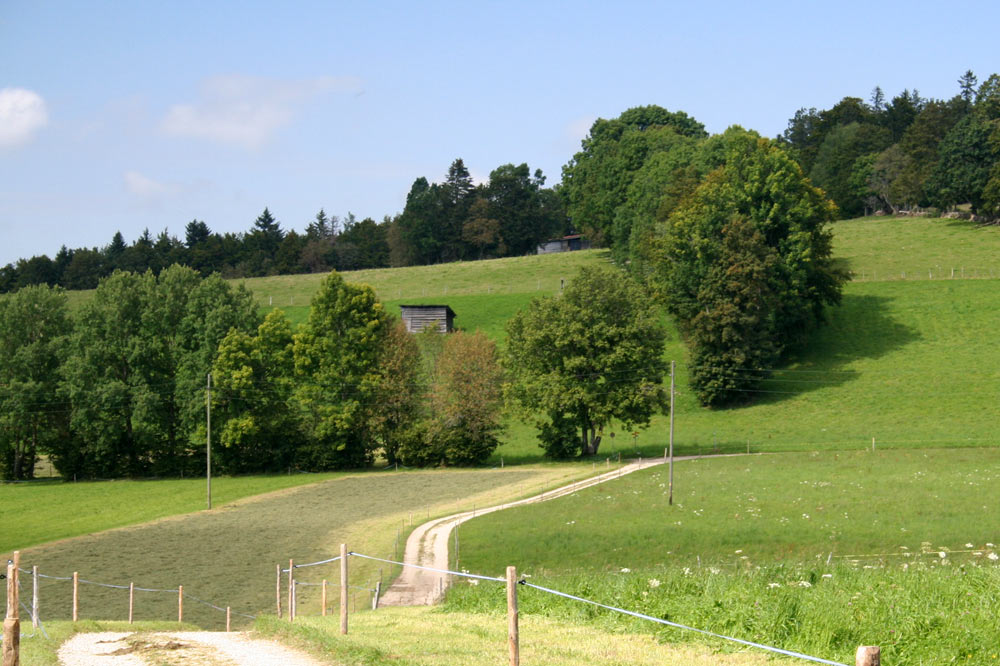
<point x="419" y="317"/>
<point x="568" y="243"/>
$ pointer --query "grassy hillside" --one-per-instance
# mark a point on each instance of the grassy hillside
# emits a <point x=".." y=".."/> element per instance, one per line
<point x="817" y="553"/>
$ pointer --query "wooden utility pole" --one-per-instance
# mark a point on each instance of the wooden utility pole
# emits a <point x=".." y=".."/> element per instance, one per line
<point x="208" y="437"/>
<point x="343" y="588"/>
<point x="670" y="499"/>
<point x="12" y="621"/>
<point x="513" y="639"/>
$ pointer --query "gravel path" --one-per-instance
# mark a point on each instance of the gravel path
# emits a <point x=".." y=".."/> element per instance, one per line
<point x="190" y="648"/>
<point x="427" y="545"/>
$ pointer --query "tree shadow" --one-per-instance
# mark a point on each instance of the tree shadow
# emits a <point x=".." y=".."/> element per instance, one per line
<point x="859" y="329"/>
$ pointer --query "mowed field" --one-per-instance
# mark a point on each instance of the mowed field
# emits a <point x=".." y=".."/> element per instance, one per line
<point x="227" y="556"/>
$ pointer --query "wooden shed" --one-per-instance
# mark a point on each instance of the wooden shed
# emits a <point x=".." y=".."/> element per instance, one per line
<point x="419" y="317"/>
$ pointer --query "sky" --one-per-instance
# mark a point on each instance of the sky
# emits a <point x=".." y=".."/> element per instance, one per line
<point x="125" y="116"/>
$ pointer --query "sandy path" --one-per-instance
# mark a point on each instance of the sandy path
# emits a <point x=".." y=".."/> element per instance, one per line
<point x="194" y="648"/>
<point x="427" y="545"/>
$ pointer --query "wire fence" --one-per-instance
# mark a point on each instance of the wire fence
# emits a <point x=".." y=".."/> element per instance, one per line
<point x="623" y="611"/>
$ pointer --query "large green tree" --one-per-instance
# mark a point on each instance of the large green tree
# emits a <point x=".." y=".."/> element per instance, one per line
<point x="596" y="181"/>
<point x="337" y="362"/>
<point x="34" y="324"/>
<point x="584" y="358"/>
<point x="763" y="191"/>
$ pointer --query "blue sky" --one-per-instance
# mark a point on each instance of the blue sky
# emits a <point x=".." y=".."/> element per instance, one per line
<point x="128" y="115"/>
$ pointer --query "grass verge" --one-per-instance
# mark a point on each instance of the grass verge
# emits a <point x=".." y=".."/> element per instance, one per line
<point x="426" y="636"/>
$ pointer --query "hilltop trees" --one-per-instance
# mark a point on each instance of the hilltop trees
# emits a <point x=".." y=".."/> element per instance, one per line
<point x="584" y="358"/>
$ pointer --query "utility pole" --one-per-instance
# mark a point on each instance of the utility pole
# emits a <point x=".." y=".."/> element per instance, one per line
<point x="670" y="499"/>
<point x="208" y="437"/>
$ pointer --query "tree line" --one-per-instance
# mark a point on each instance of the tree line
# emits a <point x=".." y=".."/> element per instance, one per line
<point x="907" y="152"/>
<point x="453" y="220"/>
<point x="119" y="389"/>
<point x="123" y="387"/>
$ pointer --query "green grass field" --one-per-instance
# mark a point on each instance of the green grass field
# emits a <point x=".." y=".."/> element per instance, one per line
<point x="817" y="553"/>
<point x="227" y="556"/>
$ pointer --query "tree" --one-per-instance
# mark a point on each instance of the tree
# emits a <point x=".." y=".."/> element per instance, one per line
<point x="400" y="392"/>
<point x="596" y="179"/>
<point x="835" y="161"/>
<point x="464" y="405"/>
<point x="762" y="191"/>
<point x="254" y="382"/>
<point x="516" y="203"/>
<point x="34" y="324"/>
<point x="336" y="359"/>
<point x="966" y="159"/>
<point x="967" y="86"/>
<point x="584" y="358"/>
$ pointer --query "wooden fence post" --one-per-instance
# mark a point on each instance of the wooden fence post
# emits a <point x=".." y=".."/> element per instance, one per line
<point x="180" y="603"/>
<point x="131" y="600"/>
<point x="343" y="588"/>
<point x="277" y="587"/>
<point x="76" y="596"/>
<point x="12" y="621"/>
<point x="34" y="596"/>
<point x="293" y="606"/>
<point x="513" y="640"/>
<point x="378" y="591"/>
<point x="322" y="598"/>
<point x="868" y="655"/>
<point x="229" y="617"/>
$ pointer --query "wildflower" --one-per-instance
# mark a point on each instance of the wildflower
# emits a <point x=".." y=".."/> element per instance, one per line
<point x="739" y="551"/>
<point x="942" y="554"/>
<point x="626" y="570"/>
<point x="774" y="584"/>
<point x="653" y="582"/>
<point x="713" y="570"/>
<point x="993" y="556"/>
<point x="804" y="583"/>
<point x="827" y="575"/>
<point x="969" y="545"/>
<point x="989" y="545"/>
<point x="473" y="581"/>
<point x="687" y="571"/>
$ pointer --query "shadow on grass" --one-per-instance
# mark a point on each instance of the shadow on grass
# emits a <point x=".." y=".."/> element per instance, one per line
<point x="859" y="329"/>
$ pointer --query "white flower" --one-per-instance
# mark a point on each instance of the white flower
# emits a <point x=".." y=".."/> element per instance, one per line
<point x="774" y="584"/>
<point x="993" y="556"/>
<point x="626" y="570"/>
<point x="687" y="572"/>
<point x="653" y="582"/>
<point x="739" y="551"/>
<point x="804" y="583"/>
<point x="969" y="545"/>
<point x="827" y="575"/>
<point x="473" y="581"/>
<point x="989" y="545"/>
<point x="942" y="554"/>
<point x="713" y="570"/>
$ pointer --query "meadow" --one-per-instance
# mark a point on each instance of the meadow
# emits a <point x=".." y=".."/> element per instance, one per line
<point x="813" y="552"/>
<point x="227" y="556"/>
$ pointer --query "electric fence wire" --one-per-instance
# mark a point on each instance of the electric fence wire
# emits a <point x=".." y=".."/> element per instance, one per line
<point x="641" y="616"/>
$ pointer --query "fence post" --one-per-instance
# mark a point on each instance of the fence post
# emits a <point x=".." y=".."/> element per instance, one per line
<point x="322" y="599"/>
<point x="12" y="621"/>
<point x="343" y="588"/>
<point x="34" y="596"/>
<point x="277" y="587"/>
<point x="76" y="596"/>
<point x="378" y="591"/>
<point x="513" y="643"/>
<point x="293" y="606"/>
<point x="291" y="609"/>
<point x="229" y="617"/>
<point x="131" y="600"/>
<point x="868" y="655"/>
<point x="180" y="603"/>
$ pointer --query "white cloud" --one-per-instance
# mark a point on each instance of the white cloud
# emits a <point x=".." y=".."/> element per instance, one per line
<point x="145" y="187"/>
<point x="246" y="110"/>
<point x="22" y="113"/>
